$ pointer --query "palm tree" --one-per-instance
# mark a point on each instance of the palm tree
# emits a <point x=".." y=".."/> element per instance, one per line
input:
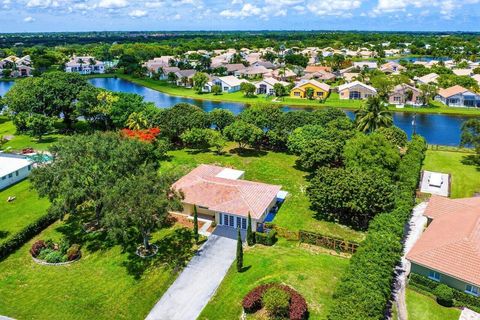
<point x="136" y="121"/>
<point x="372" y="115"/>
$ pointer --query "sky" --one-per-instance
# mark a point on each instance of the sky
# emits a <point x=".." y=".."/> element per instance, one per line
<point x="164" y="15"/>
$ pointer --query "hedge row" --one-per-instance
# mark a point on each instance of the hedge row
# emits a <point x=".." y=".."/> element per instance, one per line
<point x="365" y="289"/>
<point x="27" y="233"/>
<point x="461" y="299"/>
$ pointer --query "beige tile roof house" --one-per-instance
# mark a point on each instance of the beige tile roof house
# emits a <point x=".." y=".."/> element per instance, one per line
<point x="429" y="78"/>
<point x="449" y="249"/>
<point x="219" y="191"/>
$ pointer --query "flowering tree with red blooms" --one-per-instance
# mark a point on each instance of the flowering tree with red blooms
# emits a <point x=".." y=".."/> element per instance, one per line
<point x="147" y="135"/>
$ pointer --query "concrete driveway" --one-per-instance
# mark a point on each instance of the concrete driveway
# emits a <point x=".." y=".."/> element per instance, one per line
<point x="190" y="293"/>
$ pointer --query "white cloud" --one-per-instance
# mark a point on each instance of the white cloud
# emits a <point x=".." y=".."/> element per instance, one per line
<point x="42" y="4"/>
<point x="247" y="10"/>
<point x="138" y="13"/>
<point x="113" y="4"/>
<point x="333" y="8"/>
<point x="154" y="4"/>
<point x="29" y="19"/>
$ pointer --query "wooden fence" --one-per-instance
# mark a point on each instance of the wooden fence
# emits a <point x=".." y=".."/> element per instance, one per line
<point x="316" y="239"/>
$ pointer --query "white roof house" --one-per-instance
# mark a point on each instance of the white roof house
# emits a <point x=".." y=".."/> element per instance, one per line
<point x="356" y="83"/>
<point x="429" y="78"/>
<point x="13" y="168"/>
<point x="365" y="64"/>
<point x="85" y="65"/>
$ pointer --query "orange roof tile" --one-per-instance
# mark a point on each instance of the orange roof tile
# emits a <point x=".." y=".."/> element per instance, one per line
<point x="446" y="93"/>
<point x="451" y="243"/>
<point x="202" y="187"/>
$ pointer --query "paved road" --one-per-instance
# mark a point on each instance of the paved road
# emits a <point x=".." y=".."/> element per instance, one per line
<point x="414" y="230"/>
<point x="192" y="290"/>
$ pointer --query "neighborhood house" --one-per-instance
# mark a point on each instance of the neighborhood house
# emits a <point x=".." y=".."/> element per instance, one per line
<point x="13" y="168"/>
<point x="16" y="67"/>
<point x="448" y="251"/>
<point x="356" y="91"/>
<point x="320" y="90"/>
<point x="85" y="65"/>
<point x="458" y="96"/>
<point x="222" y="194"/>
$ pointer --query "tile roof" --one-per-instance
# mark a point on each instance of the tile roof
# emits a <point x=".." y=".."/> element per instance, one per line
<point x="203" y="187"/>
<point x="321" y="85"/>
<point x="428" y="78"/>
<point x="356" y="83"/>
<point x="311" y="69"/>
<point x="451" y="243"/>
<point x="448" y="92"/>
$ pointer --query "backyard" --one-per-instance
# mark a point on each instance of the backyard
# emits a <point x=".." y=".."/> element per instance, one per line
<point x="106" y="283"/>
<point x="313" y="275"/>
<point x="26" y="208"/>
<point x="273" y="168"/>
<point x="421" y="307"/>
<point x="465" y="178"/>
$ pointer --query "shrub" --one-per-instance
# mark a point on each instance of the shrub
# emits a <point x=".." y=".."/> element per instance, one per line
<point x="277" y="302"/>
<point x="54" y="256"/>
<point x="63" y="245"/>
<point x="37" y="247"/>
<point x="444" y="295"/>
<point x="73" y="252"/>
<point x="267" y="239"/>
<point x="252" y="302"/>
<point x="44" y="253"/>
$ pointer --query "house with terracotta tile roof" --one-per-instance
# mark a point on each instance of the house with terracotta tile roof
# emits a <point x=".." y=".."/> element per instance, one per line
<point x="449" y="249"/>
<point x="221" y="194"/>
<point x="458" y="96"/>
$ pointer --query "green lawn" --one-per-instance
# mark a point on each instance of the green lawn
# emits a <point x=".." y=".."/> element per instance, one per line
<point x="104" y="284"/>
<point x="21" y="141"/>
<point x="17" y="214"/>
<point x="421" y="307"/>
<point x="273" y="168"/>
<point x="313" y="275"/>
<point x="465" y="178"/>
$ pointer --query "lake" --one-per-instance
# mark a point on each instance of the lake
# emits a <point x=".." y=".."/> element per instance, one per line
<point x="436" y="128"/>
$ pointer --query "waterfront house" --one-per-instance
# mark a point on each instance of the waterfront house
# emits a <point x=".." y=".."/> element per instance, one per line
<point x="84" y="65"/>
<point x="405" y="94"/>
<point x="320" y="90"/>
<point x="228" y="84"/>
<point x="266" y="86"/>
<point x="458" y="96"/>
<point x="356" y="91"/>
<point x="222" y="195"/>
<point x="16" y="67"/>
<point x="13" y="168"/>
<point x="448" y="251"/>
<point x="185" y="77"/>
<point x="165" y="71"/>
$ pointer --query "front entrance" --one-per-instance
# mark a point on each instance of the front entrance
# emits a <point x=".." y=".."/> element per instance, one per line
<point x="233" y="221"/>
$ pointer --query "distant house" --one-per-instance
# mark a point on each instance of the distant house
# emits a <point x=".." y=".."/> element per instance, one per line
<point x="356" y="91"/>
<point x="221" y="194"/>
<point x="392" y="67"/>
<point x="313" y="69"/>
<point x="463" y="72"/>
<point x="448" y="251"/>
<point x="284" y="74"/>
<point x="320" y="75"/>
<point x="155" y="64"/>
<point x="320" y="90"/>
<point x="427" y="79"/>
<point x="369" y="65"/>
<point x="405" y="94"/>
<point x="165" y="71"/>
<point x="185" y="77"/>
<point x="13" y="168"/>
<point x="458" y="96"/>
<point x="17" y="67"/>
<point x="266" y="86"/>
<point x="233" y="67"/>
<point x="84" y="65"/>
<point x="228" y="84"/>
<point x="253" y="71"/>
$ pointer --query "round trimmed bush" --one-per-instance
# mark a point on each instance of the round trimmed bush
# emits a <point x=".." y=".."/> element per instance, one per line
<point x="444" y="295"/>
<point x="277" y="302"/>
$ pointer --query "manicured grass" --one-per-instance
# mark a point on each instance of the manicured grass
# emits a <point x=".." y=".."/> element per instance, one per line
<point x="421" y="307"/>
<point x="273" y="168"/>
<point x="104" y="284"/>
<point x="465" y="178"/>
<point x="26" y="208"/>
<point x="332" y="101"/>
<point x="313" y="275"/>
<point x="21" y="141"/>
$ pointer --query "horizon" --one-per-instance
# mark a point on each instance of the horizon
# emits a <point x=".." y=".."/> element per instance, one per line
<point x="34" y="16"/>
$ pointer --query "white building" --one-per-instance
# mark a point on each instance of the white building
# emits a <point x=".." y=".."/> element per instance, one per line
<point x="13" y="168"/>
<point x="228" y="84"/>
<point x="266" y="86"/>
<point x="85" y="65"/>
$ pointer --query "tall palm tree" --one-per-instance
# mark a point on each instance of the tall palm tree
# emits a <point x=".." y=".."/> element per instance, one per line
<point x="372" y="115"/>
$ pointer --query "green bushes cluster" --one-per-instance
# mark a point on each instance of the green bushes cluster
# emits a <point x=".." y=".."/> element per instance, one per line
<point x="27" y="233"/>
<point x="429" y="287"/>
<point x="52" y="252"/>
<point x="444" y="295"/>
<point x="267" y="239"/>
<point x="365" y="288"/>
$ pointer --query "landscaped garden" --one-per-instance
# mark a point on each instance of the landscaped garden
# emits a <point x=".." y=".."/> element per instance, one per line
<point x="421" y="307"/>
<point x="108" y="282"/>
<point x="313" y="275"/>
<point x="465" y="177"/>
<point x="17" y="214"/>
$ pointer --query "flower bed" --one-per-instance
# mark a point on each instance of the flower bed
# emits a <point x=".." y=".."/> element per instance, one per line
<point x="50" y="253"/>
<point x="254" y="301"/>
<point x="142" y="253"/>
